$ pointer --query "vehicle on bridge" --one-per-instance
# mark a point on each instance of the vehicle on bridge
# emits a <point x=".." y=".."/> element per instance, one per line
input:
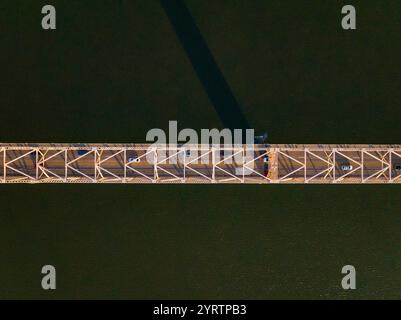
<point x="82" y="152"/>
<point x="265" y="165"/>
<point x="132" y="159"/>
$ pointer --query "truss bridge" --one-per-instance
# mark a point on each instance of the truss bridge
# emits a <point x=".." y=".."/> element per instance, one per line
<point x="220" y="164"/>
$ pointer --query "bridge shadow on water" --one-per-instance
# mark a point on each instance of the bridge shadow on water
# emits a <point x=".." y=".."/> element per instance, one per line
<point x="205" y="66"/>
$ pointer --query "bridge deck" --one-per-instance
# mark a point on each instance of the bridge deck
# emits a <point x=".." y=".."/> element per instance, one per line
<point x="143" y="163"/>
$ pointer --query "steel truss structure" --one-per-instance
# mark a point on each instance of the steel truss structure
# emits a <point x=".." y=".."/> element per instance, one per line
<point x="253" y="164"/>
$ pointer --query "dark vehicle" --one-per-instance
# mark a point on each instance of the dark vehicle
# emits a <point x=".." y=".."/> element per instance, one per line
<point x="82" y="152"/>
<point x="265" y="165"/>
<point x="265" y="169"/>
<point x="33" y="158"/>
<point x="397" y="167"/>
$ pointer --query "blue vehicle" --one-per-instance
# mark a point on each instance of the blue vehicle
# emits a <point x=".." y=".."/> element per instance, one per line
<point x="82" y="152"/>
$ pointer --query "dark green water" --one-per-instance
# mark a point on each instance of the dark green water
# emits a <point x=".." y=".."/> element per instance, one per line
<point x="114" y="69"/>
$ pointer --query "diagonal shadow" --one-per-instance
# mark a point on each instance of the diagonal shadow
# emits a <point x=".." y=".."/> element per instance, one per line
<point x="205" y="66"/>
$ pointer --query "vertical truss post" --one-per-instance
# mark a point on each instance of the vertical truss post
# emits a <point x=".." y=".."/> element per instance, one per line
<point x="185" y="162"/>
<point x="40" y="163"/>
<point x="65" y="165"/>
<point x="214" y="164"/>
<point x="4" y="164"/>
<point x="391" y="166"/>
<point x="363" y="165"/>
<point x="305" y="180"/>
<point x="243" y="163"/>
<point x="125" y="165"/>
<point x="274" y="167"/>
<point x="37" y="164"/>
<point x="334" y="165"/>
<point x="96" y="160"/>
<point x="3" y="178"/>
<point x="155" y="160"/>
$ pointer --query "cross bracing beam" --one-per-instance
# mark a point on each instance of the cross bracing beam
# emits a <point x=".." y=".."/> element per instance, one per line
<point x="243" y="164"/>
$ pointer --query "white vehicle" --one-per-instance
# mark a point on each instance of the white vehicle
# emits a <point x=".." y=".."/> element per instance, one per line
<point x="134" y="160"/>
<point x="346" y="167"/>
